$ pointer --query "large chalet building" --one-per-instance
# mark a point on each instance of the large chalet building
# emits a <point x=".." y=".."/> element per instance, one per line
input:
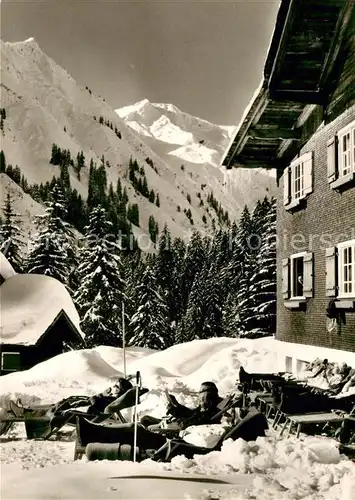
<point x="302" y="124"/>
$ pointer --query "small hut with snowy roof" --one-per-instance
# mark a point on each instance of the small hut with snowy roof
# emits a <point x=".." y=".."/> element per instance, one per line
<point x="38" y="319"/>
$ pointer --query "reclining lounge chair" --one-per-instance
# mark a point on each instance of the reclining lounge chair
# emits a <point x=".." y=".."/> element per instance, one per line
<point x="104" y="443"/>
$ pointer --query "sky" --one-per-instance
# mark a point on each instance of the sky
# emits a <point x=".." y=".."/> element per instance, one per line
<point x="206" y="57"/>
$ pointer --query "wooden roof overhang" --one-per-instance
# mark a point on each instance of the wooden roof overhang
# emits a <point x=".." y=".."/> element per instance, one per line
<point x="302" y="54"/>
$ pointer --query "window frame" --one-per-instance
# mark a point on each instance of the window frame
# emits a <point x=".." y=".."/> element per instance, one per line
<point x="340" y="268"/>
<point x="299" y="193"/>
<point x="341" y="134"/>
<point x="298" y="180"/>
<point x="16" y="353"/>
<point x="293" y="257"/>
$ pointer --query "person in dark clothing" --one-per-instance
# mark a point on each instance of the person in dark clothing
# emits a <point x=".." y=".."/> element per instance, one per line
<point x="208" y="399"/>
<point x="99" y="402"/>
<point x="105" y="443"/>
<point x="181" y="416"/>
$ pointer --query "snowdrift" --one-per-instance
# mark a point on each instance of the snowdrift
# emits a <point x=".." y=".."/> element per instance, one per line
<point x="268" y="469"/>
<point x="6" y="269"/>
<point x="181" y="369"/>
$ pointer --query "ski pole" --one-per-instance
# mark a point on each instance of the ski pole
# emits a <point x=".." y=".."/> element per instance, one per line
<point x="135" y="418"/>
<point x="124" y="341"/>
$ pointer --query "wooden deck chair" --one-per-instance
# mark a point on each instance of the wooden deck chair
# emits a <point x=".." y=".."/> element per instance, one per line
<point x="227" y="404"/>
<point x="106" y="442"/>
<point x="253" y="425"/>
<point x="114" y="433"/>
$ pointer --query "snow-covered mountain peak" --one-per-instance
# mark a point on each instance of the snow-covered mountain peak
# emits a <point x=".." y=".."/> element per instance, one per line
<point x="29" y="41"/>
<point x="168" y="124"/>
<point x="133" y="108"/>
<point x="176" y="152"/>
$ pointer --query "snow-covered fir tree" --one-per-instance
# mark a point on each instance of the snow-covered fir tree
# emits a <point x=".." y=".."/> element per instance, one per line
<point x="164" y="257"/>
<point x="229" y="317"/>
<point x="193" y="320"/>
<point x="263" y="282"/>
<point x="52" y="251"/>
<point x="249" y="309"/>
<point x="101" y="286"/>
<point x="11" y="239"/>
<point x="177" y="292"/>
<point x="243" y="262"/>
<point x="194" y="261"/>
<point x="213" y="303"/>
<point x="150" y="324"/>
<point x="133" y="269"/>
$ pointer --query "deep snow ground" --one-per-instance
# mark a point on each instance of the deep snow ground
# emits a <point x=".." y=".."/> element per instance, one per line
<point x="308" y="468"/>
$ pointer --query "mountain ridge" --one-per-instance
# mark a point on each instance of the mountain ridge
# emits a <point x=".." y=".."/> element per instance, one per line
<point x="45" y="106"/>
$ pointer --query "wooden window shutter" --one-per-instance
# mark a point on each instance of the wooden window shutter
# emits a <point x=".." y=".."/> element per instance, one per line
<point x="308" y="275"/>
<point x="308" y="173"/>
<point x="285" y="278"/>
<point x="331" y="271"/>
<point x="332" y="158"/>
<point x="287" y="185"/>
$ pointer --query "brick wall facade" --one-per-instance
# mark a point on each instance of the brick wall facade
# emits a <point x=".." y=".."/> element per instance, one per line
<point x="327" y="212"/>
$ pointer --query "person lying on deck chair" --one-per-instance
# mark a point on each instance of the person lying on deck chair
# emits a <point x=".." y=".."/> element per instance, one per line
<point x="181" y="416"/>
<point x="100" y="401"/>
<point x="105" y="442"/>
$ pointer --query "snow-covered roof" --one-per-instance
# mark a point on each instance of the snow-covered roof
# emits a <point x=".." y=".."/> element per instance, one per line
<point x="6" y="269"/>
<point x="29" y="305"/>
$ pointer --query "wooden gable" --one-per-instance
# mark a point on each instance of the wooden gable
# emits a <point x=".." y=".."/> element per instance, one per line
<point x="297" y="76"/>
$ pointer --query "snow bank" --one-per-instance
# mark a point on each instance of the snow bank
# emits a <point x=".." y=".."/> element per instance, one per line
<point x="204" y="435"/>
<point x="181" y="369"/>
<point x="268" y="469"/>
<point x="6" y="269"/>
<point x="282" y="469"/>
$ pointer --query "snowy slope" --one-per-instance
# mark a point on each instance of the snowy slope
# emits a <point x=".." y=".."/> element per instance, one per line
<point x="182" y="139"/>
<point x="271" y="468"/>
<point x="25" y="206"/>
<point x="44" y="105"/>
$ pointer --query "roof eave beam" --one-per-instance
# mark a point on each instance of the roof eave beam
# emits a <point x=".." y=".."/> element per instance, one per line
<point x="258" y="111"/>
<point x="274" y="133"/>
<point x="296" y="95"/>
<point x="255" y="164"/>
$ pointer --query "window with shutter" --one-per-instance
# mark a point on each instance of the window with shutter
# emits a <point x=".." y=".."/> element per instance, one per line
<point x="341" y="158"/>
<point x="285" y="278"/>
<point x="331" y="271"/>
<point x="308" y="172"/>
<point x="346" y="269"/>
<point x="297" y="180"/>
<point x="346" y="150"/>
<point x="286" y="181"/>
<point x="332" y="158"/>
<point x="297" y="275"/>
<point x="300" y="180"/>
<point x="308" y="275"/>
